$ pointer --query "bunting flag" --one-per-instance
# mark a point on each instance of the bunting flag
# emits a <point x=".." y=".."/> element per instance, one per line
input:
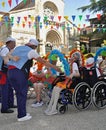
<point x="73" y="17"/>
<point x="40" y="25"/>
<point x="10" y="2"/>
<point x="87" y="16"/>
<point x="19" y="18"/>
<point x="0" y="18"/>
<point x="52" y="18"/>
<point x="17" y="1"/>
<point x="24" y="1"/>
<point x="38" y="18"/>
<point x="6" y="18"/>
<point x="45" y="18"/>
<point x="25" y="18"/>
<point x="99" y="16"/>
<point x="3" y="4"/>
<point x="80" y="17"/>
<point x="32" y="18"/>
<point x="59" y="18"/>
<point x="66" y="17"/>
<point x="29" y="24"/>
<point x="12" y="19"/>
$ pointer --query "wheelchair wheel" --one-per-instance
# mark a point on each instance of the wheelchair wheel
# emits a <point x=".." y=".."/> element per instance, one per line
<point x="82" y="96"/>
<point x="62" y="109"/>
<point x="99" y="95"/>
<point x="65" y="97"/>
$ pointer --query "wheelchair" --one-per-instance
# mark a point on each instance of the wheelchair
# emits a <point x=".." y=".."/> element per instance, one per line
<point x="83" y="93"/>
<point x="99" y="93"/>
<point x="79" y="96"/>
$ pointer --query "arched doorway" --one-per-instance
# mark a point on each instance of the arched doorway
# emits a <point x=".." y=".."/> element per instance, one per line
<point x="53" y="40"/>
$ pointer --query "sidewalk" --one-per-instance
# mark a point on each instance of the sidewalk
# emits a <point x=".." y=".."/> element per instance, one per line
<point x="73" y="119"/>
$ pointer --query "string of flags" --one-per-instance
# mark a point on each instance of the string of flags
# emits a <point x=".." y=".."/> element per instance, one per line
<point x="30" y="21"/>
<point x="10" y="2"/>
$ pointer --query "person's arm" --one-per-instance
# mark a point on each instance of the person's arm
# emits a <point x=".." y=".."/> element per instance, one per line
<point x="75" y="71"/>
<point x="10" y="57"/>
<point x="46" y="63"/>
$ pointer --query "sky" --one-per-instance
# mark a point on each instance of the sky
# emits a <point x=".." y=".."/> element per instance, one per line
<point x="70" y="9"/>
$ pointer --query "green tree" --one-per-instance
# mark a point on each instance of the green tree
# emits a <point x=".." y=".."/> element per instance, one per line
<point x="95" y="6"/>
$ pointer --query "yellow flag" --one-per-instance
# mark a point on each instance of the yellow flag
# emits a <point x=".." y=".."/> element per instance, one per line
<point x="66" y="17"/>
<point x="32" y="18"/>
<point x="3" y="4"/>
<point x="0" y="18"/>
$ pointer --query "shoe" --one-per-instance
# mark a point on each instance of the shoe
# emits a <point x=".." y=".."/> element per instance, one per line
<point x="47" y="110"/>
<point x="50" y="113"/>
<point x="28" y="114"/>
<point x="7" y="111"/>
<point x="37" y="104"/>
<point x="25" y="118"/>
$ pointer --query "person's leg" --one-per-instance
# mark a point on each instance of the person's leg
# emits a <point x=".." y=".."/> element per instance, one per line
<point x="20" y="84"/>
<point x="38" y="90"/>
<point x="4" y="98"/>
<point x="10" y="97"/>
<point x="54" y="101"/>
<point x="0" y="93"/>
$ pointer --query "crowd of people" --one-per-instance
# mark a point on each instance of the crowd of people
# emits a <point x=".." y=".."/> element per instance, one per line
<point x="15" y="64"/>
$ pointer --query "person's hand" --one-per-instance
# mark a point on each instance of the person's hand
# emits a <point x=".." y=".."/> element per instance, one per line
<point x="16" y="58"/>
<point x="58" y="69"/>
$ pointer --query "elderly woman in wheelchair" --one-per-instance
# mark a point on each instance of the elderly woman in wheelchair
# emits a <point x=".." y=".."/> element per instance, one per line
<point x="52" y="107"/>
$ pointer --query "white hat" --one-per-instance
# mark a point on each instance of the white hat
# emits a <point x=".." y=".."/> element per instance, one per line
<point x="33" y="42"/>
<point x="10" y="39"/>
<point x="90" y="62"/>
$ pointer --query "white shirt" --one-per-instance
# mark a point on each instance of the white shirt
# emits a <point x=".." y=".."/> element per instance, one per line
<point x="33" y="54"/>
<point x="4" y="51"/>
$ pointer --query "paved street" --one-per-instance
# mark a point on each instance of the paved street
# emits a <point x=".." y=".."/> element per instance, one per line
<point x="91" y="119"/>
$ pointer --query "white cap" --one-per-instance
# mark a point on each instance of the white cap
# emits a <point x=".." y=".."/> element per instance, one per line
<point x="90" y="62"/>
<point x="33" y="42"/>
<point x="10" y="39"/>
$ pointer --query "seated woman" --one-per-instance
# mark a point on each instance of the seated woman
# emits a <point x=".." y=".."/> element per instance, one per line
<point x="75" y="63"/>
<point x="42" y="79"/>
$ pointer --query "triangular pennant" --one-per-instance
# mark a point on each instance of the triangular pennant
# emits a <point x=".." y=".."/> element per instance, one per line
<point x="25" y="18"/>
<point x="104" y="29"/>
<point x="87" y="16"/>
<point x="38" y="17"/>
<point x="6" y="18"/>
<point x="3" y="4"/>
<point x="19" y="18"/>
<point x="0" y="18"/>
<point x="66" y="17"/>
<point x="59" y="18"/>
<point x="24" y="1"/>
<point x="23" y="25"/>
<point x="80" y="17"/>
<point x="10" y="2"/>
<point x="99" y="16"/>
<point x="73" y="17"/>
<point x="17" y="1"/>
<point x="12" y="19"/>
<point x="52" y="18"/>
<point x="40" y="25"/>
<point x="29" y="23"/>
<point x="32" y="18"/>
<point x="45" y="18"/>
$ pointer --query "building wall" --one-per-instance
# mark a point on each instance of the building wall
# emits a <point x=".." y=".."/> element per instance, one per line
<point x="21" y="30"/>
